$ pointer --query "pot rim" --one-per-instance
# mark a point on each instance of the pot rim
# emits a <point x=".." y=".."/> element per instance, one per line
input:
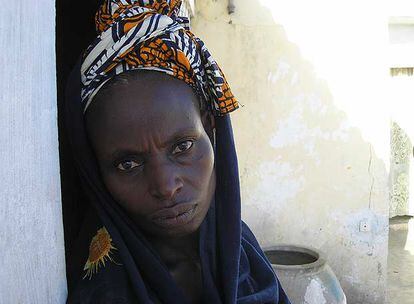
<point x="320" y="261"/>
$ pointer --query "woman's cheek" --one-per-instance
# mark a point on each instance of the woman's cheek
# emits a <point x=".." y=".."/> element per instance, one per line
<point x="122" y="191"/>
<point x="205" y="161"/>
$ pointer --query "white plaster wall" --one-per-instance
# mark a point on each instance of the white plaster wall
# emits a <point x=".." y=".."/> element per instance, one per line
<point x="32" y="266"/>
<point x="313" y="134"/>
<point x="401" y="29"/>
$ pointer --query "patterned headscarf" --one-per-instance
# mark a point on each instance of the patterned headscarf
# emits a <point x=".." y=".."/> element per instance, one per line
<point x="149" y="35"/>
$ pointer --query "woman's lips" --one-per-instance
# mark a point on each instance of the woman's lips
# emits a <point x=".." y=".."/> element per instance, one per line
<point x="178" y="215"/>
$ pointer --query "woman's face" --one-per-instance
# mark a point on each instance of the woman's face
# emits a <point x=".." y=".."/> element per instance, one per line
<point x="154" y="153"/>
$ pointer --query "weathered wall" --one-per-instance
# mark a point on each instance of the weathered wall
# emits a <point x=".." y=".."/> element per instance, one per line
<point x="312" y="142"/>
<point x="401" y="154"/>
<point x="32" y="266"/>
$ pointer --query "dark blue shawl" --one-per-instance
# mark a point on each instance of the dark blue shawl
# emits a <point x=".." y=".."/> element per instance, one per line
<point x="234" y="268"/>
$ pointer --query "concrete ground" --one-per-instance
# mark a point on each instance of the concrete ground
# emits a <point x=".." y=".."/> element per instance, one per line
<point x="401" y="261"/>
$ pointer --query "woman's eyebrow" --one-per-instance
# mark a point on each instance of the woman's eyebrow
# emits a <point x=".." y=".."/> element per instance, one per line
<point x="193" y="131"/>
<point x="122" y="153"/>
<point x="179" y="134"/>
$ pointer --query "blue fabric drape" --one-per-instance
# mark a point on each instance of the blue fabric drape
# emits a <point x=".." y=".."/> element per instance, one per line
<point x="234" y="268"/>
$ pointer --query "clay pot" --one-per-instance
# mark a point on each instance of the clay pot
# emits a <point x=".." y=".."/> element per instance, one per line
<point x="305" y="276"/>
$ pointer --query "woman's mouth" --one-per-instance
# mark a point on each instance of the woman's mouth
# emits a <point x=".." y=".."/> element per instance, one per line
<point x="178" y="215"/>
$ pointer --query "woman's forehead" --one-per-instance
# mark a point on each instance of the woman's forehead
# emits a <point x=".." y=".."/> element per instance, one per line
<point x="144" y="90"/>
<point x="138" y="107"/>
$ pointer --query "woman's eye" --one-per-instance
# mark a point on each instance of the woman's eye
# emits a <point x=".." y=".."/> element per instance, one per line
<point x="127" y="165"/>
<point x="183" y="146"/>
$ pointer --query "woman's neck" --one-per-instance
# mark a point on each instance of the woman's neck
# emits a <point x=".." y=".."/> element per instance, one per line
<point x="176" y="250"/>
<point x="181" y="257"/>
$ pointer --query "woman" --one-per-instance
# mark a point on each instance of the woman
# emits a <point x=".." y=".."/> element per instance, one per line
<point x="146" y="115"/>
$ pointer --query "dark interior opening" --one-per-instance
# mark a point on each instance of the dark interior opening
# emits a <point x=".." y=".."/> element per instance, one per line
<point x="290" y="257"/>
<point x="75" y="30"/>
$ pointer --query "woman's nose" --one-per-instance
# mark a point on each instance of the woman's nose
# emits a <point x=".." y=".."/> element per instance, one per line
<point x="164" y="180"/>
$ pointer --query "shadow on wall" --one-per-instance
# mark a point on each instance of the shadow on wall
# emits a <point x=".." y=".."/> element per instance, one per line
<point x="401" y="259"/>
<point x="308" y="177"/>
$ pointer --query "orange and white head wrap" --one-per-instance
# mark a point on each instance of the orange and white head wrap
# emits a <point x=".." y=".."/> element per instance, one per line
<point x="149" y="35"/>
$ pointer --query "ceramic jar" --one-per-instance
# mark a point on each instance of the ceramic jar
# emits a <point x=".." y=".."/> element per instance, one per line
<point x="305" y="276"/>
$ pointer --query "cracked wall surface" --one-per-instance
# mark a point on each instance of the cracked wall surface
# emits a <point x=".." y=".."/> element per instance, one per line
<point x="309" y="174"/>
